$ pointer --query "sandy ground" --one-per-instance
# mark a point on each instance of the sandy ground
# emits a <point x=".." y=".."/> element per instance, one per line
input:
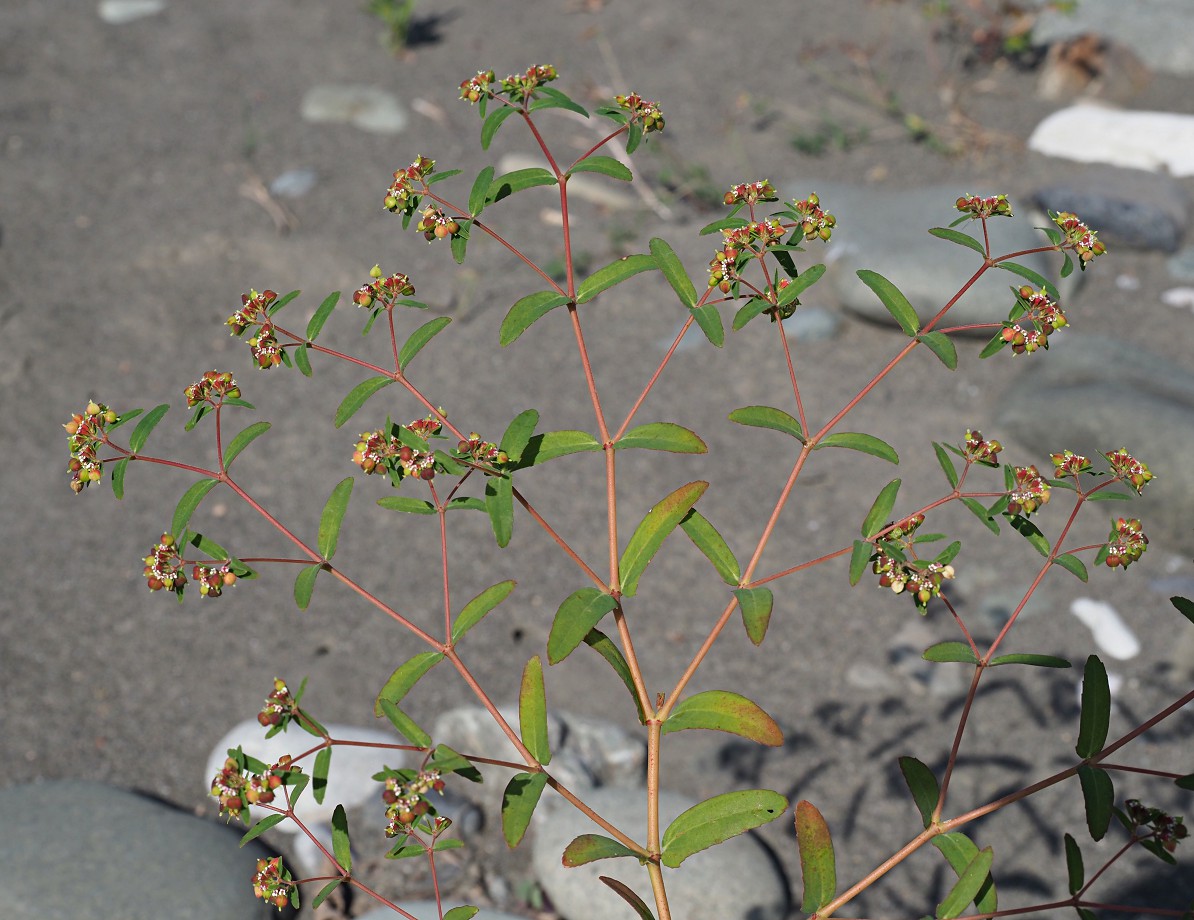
<point x="127" y="240"/>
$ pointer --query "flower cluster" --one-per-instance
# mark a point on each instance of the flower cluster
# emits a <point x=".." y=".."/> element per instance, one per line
<point x="273" y="883"/>
<point x="213" y="387"/>
<point x="237" y="790"/>
<point x="739" y="244"/>
<point x="815" y="223"/>
<point x="85" y="434"/>
<point x="163" y="567"/>
<point x="752" y="192"/>
<point x="1166" y="829"/>
<point x="1126" y="543"/>
<point x="1028" y="491"/>
<point x="401" y="194"/>
<point x="976" y="206"/>
<point x="481" y="451"/>
<point x="213" y="579"/>
<point x="521" y="86"/>
<point x="978" y="450"/>
<point x="406" y="800"/>
<point x="1128" y="469"/>
<point x="254" y="311"/>
<point x="380" y="451"/>
<point x="476" y="88"/>
<point x="382" y="290"/>
<point x="279" y="705"/>
<point x="1035" y="316"/>
<point x="1068" y="463"/>
<point x="437" y="225"/>
<point x="920" y="579"/>
<point x="642" y="111"/>
<point x="1078" y="237"/>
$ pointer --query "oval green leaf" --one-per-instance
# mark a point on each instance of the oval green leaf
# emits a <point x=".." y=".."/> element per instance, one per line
<point x="141" y="433"/>
<point x="552" y="444"/>
<point x="724" y="816"/>
<point x="673" y="270"/>
<point x="603" y="646"/>
<point x="340" y="847"/>
<point x="881" y="509"/>
<point x="304" y="585"/>
<point x="518" y="434"/>
<point x="492" y="122"/>
<point x="709" y="320"/>
<point x="357" y="396"/>
<point x="407" y="727"/>
<point x="589" y="848"/>
<point x="662" y="436"/>
<point x="532" y="712"/>
<point x="281" y="302"/>
<point x="755" y="604"/>
<point x="768" y="417"/>
<point x="892" y="298"/>
<point x="800" y="284"/>
<point x="922" y="783"/>
<point x="517" y="181"/>
<point x="950" y="651"/>
<point x="580" y="612"/>
<point x="818" y="866"/>
<point x="1184" y="606"/>
<point x="1073" y="565"/>
<point x="552" y="98"/>
<point x="518" y="805"/>
<point x="261" y="827"/>
<point x="319" y="774"/>
<point x="473" y="612"/>
<point x="962" y="239"/>
<point x="627" y="894"/>
<point x="713" y="545"/>
<point x="654" y="528"/>
<point x="860" y="556"/>
<point x="724" y="711"/>
<point x="607" y="166"/>
<point x="1036" y="278"/>
<point x="188" y="503"/>
<point x="119" y="468"/>
<point x="1096" y="709"/>
<point x="405" y="676"/>
<point x="243" y="440"/>
<point x="419" y="338"/>
<point x="303" y="361"/>
<point x="947" y="465"/>
<point x="1075" y="871"/>
<point x="321" y="315"/>
<point x="867" y="443"/>
<point x="973" y="881"/>
<point x="1098" y="794"/>
<point x="333" y="517"/>
<point x="406" y="503"/>
<point x="1040" y="661"/>
<point x="614" y="273"/>
<point x="942" y="346"/>
<point x="476" y="197"/>
<point x="462" y="911"/>
<point x="526" y="311"/>
<point x="499" y="502"/>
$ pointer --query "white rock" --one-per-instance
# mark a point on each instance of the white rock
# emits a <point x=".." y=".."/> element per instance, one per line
<point x="1138" y="140"/>
<point x="118" y="12"/>
<point x="1182" y="298"/>
<point x="367" y="107"/>
<point x="1111" y="633"/>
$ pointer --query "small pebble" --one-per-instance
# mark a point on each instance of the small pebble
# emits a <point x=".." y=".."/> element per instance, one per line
<point x="366" y="107"/>
<point x="1111" y="633"/>
<point x="1182" y="298"/>
<point x="119" y="12"/>
<point x="294" y="183"/>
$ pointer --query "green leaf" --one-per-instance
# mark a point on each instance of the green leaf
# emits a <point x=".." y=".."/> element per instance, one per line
<point x="499" y="502"/>
<point x="860" y="555"/>
<point x="601" y="643"/>
<point x="589" y="848"/>
<point x="141" y="433"/>
<point x="526" y="311"/>
<point x="126" y="417"/>
<point x="518" y="434"/>
<point x="981" y="513"/>
<point x="709" y="320"/>
<point x="755" y="604"/>
<point x="327" y="890"/>
<point x="950" y="651"/>
<point x="188" y="503"/>
<point x="459" y="243"/>
<point x="817" y="864"/>
<point x="518" y="804"/>
<point x="711" y="543"/>
<point x="673" y="270"/>
<point x="281" y="302"/>
<point x="660" y="521"/>
<point x="580" y="612"/>
<point x="1185" y="782"/>
<point x="1040" y="661"/>
<point x="1104" y="495"/>
<point x="942" y="346"/>
<point x="749" y="310"/>
<point x="446" y="760"/>
<point x="552" y="444"/>
<point x="896" y="303"/>
<point x="662" y="436"/>
<point x="1098" y="792"/>
<point x="634" y="137"/>
<point x="243" y="440"/>
<point x="1073" y="565"/>
<point x="406" y="503"/>
<point x="405" y="676"/>
<point x="419" y="338"/>
<point x="333" y="517"/>
<point x="521" y="179"/>
<point x="723" y="711"/>
<point x="407" y="726"/>
<point x="866" y="443"/>
<point x="1036" y="278"/>
<point x="319" y="774"/>
<point x="261" y="827"/>
<point x="357" y="397"/>
<point x="962" y="239"/>
<point x="974" y="877"/>
<point x="725" y="223"/>
<point x="473" y="612"/>
<point x="881" y="509"/>
<point x="922" y="783"/>
<point x="947" y="465"/>
<point x="321" y="315"/>
<point x="303" y="361"/>
<point x="1096" y="709"/>
<point x="768" y="417"/>
<point x="461" y="911"/>
<point x="607" y="166"/>
<point x="800" y="284"/>
<point x="476" y="197"/>
<point x="552" y="98"/>
<point x="492" y="122"/>
<point x="1184" y="606"/>
<point x="532" y="712"/>
<point x="614" y="273"/>
<point x="994" y="346"/>
<point x="724" y="816"/>
<point x="340" y="846"/>
<point x="627" y="894"/>
<point x="1073" y="864"/>
<point x="119" y="468"/>
<point x="304" y="584"/>
<point x="1031" y="533"/>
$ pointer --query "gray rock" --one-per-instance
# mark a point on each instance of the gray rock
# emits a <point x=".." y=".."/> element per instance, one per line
<point x="1128" y="207"/>
<point x="119" y="12"/>
<point x="1098" y="394"/>
<point x="369" y="108"/>
<point x="736" y="879"/>
<point x="85" y="851"/>
<point x="1157" y="30"/>
<point x="813" y="324"/>
<point x="886" y="231"/>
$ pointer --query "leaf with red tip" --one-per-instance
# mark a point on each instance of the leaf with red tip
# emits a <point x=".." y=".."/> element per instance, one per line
<point x="817" y="863"/>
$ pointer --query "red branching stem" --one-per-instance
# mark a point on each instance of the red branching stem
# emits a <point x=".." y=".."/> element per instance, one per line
<point x="957" y="745"/>
<point x="560" y="541"/>
<point x="792" y="376"/>
<point x="442" y="514"/>
<point x="654" y="377"/>
<point x="597" y="146"/>
<point x="797" y="568"/>
<point x="393" y="339"/>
